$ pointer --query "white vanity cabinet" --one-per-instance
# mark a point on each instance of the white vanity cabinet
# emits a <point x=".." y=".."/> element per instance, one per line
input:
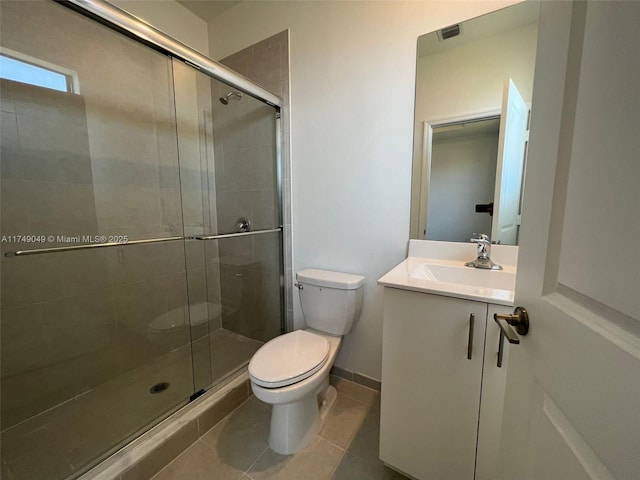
<point x="441" y="411"/>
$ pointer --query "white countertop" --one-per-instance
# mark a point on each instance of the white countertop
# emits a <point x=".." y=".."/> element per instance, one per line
<point x="420" y="272"/>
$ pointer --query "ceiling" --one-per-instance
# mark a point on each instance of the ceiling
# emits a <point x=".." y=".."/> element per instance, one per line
<point x="208" y="9"/>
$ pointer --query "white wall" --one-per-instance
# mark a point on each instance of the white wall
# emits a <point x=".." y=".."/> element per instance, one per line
<point x="172" y="18"/>
<point x="352" y="97"/>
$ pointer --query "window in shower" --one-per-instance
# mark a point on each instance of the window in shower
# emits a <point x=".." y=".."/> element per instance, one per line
<point x="25" y="69"/>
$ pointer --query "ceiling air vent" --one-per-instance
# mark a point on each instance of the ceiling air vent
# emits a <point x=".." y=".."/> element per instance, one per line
<point x="449" y="32"/>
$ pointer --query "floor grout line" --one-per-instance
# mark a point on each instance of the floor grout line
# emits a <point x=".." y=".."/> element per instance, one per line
<point x="334" y="444"/>
<point x="175" y="459"/>
<point x="333" y="472"/>
<point x="246" y="472"/>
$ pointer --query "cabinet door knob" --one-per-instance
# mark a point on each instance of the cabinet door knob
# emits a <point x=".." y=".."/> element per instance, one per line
<point x="472" y="321"/>
<point x="520" y="320"/>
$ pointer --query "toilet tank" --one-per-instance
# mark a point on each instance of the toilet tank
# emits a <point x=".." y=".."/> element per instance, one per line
<point x="331" y="301"/>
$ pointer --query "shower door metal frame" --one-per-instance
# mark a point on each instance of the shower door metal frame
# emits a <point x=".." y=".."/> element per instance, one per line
<point x="142" y="31"/>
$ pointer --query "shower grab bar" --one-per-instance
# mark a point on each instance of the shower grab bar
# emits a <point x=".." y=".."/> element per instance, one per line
<point x="38" y="251"/>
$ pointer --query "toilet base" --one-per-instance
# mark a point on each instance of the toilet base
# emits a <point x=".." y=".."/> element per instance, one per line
<point x="295" y="425"/>
<point x="327" y="401"/>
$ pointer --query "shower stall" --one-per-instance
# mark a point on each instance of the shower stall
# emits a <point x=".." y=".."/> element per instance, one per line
<point x="141" y="231"/>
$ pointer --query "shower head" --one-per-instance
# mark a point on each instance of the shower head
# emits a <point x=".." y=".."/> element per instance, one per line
<point x="225" y="99"/>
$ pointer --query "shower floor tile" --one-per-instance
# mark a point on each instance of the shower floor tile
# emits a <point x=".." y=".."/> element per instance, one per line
<point x="62" y="440"/>
<point x="236" y="448"/>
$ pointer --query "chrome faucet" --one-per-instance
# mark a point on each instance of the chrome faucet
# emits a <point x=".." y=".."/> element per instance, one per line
<point x="484" y="251"/>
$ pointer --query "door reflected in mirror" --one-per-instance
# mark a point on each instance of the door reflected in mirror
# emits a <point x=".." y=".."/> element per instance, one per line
<point x="473" y="95"/>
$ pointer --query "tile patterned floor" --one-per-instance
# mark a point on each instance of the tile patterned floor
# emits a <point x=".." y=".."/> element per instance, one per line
<point x="236" y="448"/>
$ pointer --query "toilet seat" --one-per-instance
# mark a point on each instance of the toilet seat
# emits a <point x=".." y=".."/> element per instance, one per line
<point x="288" y="359"/>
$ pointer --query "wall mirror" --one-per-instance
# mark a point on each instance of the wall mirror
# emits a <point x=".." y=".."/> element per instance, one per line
<point x="473" y="96"/>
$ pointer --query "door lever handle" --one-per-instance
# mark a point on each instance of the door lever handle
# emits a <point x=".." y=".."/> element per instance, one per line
<point x="520" y="320"/>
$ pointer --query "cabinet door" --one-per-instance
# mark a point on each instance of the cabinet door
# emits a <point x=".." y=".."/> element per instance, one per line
<point x="493" y="388"/>
<point x="430" y="390"/>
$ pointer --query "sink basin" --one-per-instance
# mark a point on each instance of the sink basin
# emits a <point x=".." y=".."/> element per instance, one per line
<point x="497" y="279"/>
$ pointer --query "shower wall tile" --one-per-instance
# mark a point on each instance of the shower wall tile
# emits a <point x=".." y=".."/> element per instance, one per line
<point x="7" y="102"/>
<point x="267" y="66"/>
<point x="66" y="167"/>
<point x="264" y="208"/>
<point x="133" y="263"/>
<point x="251" y="302"/>
<point x="171" y="213"/>
<point x="231" y="206"/>
<point x="240" y="61"/>
<point x="175" y="293"/>
<point x="11" y="166"/>
<point x="236" y="252"/>
<point x="266" y="254"/>
<point x="213" y="281"/>
<point x="197" y="283"/>
<point x="15" y="198"/>
<point x="138" y="303"/>
<point x="61" y="209"/>
<point x="250" y="286"/>
<point x="8" y="129"/>
<point x="20" y="339"/>
<point x="111" y="170"/>
<point x="195" y="254"/>
<point x="34" y="279"/>
<point x="87" y="327"/>
<point x="52" y="134"/>
<point x="48" y="104"/>
<point x="246" y="124"/>
<point x="267" y="63"/>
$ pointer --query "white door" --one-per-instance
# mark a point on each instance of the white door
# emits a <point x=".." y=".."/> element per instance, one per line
<point x="572" y="405"/>
<point x="512" y="144"/>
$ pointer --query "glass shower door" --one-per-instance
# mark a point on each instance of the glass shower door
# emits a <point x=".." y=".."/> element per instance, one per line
<point x="229" y="173"/>
<point x="95" y="341"/>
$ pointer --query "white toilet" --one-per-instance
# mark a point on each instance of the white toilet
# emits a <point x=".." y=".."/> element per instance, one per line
<point x="291" y="372"/>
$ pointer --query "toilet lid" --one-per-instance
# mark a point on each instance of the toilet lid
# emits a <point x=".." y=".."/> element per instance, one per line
<point x="288" y="359"/>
